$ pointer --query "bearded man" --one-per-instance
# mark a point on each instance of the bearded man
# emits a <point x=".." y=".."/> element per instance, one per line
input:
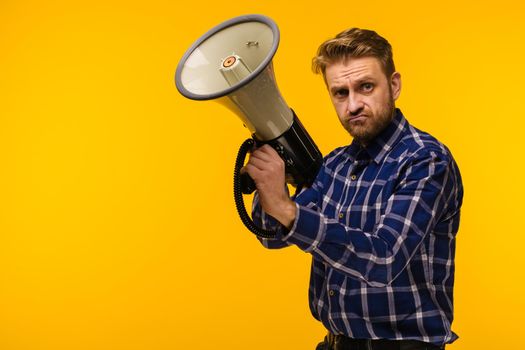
<point x="381" y="218"/>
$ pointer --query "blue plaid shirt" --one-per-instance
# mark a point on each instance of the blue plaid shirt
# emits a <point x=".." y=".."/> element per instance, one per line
<point x="380" y="223"/>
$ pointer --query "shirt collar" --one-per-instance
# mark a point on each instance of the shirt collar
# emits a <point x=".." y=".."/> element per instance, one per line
<point x="383" y="142"/>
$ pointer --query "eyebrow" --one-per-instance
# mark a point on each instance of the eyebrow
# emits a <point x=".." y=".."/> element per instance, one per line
<point x="364" y="78"/>
<point x="360" y="80"/>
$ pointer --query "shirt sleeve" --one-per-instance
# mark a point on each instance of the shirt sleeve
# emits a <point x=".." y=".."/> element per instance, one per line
<point x="309" y="195"/>
<point x="267" y="222"/>
<point x="424" y="188"/>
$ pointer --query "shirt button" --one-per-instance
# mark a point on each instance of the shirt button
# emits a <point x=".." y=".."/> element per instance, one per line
<point x="331" y="292"/>
<point x="353" y="177"/>
<point x="341" y="215"/>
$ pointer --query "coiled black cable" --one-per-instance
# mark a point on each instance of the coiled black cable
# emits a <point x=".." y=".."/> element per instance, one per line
<point x="237" y="193"/>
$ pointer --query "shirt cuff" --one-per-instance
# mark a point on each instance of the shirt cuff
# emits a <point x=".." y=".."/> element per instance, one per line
<point x="308" y="229"/>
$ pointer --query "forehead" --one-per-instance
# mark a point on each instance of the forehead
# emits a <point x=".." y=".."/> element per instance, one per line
<point x="353" y="69"/>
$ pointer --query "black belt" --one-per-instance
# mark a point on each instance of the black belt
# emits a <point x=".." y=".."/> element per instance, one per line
<point x="341" y="342"/>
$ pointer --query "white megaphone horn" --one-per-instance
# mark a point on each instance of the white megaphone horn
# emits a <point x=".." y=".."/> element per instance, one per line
<point x="232" y="64"/>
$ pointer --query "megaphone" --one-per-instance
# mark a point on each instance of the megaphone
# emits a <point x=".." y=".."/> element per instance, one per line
<point x="232" y="64"/>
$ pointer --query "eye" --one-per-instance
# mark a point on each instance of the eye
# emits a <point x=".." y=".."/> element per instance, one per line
<point x="341" y="93"/>
<point x="367" y="87"/>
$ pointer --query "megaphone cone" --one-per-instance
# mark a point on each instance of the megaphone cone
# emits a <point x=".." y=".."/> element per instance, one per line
<point x="233" y="64"/>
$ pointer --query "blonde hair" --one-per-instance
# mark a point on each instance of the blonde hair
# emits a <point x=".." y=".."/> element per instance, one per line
<point x="354" y="42"/>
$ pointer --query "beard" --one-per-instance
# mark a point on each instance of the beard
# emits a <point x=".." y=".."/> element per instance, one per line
<point x="364" y="131"/>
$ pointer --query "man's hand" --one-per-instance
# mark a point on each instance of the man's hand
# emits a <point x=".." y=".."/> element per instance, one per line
<point x="266" y="168"/>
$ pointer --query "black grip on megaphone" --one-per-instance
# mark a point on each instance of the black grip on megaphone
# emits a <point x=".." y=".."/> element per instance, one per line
<point x="247" y="184"/>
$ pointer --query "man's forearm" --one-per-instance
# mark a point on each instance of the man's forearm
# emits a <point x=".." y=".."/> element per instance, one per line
<point x="284" y="212"/>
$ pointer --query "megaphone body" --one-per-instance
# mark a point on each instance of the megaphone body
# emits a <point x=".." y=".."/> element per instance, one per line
<point x="232" y="64"/>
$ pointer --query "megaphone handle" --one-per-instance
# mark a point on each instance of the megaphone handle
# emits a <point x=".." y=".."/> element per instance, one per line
<point x="247" y="184"/>
<point x="238" y="191"/>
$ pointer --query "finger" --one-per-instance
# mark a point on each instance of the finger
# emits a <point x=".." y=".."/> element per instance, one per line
<point x="260" y="158"/>
<point x="261" y="154"/>
<point x="253" y="171"/>
<point x="260" y="164"/>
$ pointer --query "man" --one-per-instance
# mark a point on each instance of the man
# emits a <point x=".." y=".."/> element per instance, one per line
<point x="380" y="220"/>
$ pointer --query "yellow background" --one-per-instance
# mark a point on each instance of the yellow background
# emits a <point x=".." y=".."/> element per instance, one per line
<point x="117" y="223"/>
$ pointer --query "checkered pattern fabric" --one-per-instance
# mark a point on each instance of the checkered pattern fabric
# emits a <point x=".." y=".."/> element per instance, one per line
<point x="380" y="223"/>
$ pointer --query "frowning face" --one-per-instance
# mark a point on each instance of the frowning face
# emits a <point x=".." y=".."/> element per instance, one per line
<point x="363" y="96"/>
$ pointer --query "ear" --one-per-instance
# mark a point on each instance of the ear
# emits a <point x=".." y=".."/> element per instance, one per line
<point x="395" y="85"/>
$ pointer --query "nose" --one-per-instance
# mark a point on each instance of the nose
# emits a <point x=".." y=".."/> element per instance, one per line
<point x="355" y="104"/>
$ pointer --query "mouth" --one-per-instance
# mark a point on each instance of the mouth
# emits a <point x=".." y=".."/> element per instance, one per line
<point x="357" y="118"/>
